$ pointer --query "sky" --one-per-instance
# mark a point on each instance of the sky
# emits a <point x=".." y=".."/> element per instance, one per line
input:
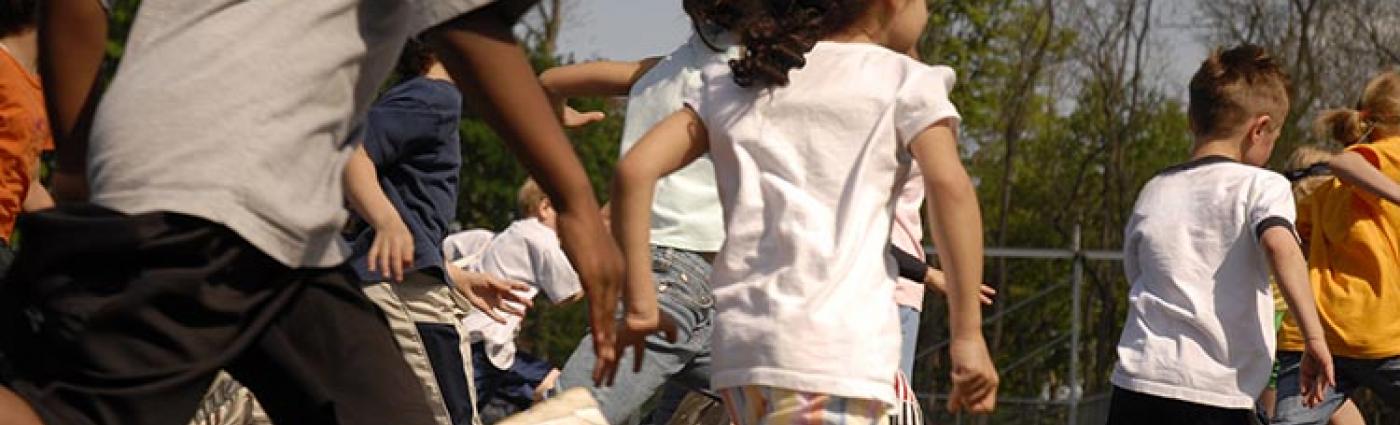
<point x="634" y="29"/>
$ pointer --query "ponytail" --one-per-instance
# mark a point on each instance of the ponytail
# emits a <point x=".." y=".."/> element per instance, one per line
<point x="1345" y="126"/>
<point x="1376" y="115"/>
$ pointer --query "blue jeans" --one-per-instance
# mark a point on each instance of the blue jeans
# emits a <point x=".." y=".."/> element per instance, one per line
<point x="1382" y="376"/>
<point x="909" y="330"/>
<point x="683" y="293"/>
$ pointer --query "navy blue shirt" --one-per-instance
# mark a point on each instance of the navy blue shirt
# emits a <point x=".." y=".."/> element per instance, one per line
<point x="411" y="136"/>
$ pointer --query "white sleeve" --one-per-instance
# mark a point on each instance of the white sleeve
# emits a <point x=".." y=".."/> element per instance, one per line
<point x="430" y="13"/>
<point x="1271" y="205"/>
<point x="553" y="273"/>
<point x="923" y="100"/>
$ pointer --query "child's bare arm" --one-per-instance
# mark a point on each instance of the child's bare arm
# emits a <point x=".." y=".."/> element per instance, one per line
<point x="72" y="40"/>
<point x="480" y="52"/>
<point x="598" y="78"/>
<point x="674" y="142"/>
<point x="392" y="250"/>
<point x="1290" y="270"/>
<point x="1352" y="168"/>
<point x="956" y="224"/>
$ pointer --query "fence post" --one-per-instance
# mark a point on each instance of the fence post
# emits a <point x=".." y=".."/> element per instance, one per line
<point x="1075" y="285"/>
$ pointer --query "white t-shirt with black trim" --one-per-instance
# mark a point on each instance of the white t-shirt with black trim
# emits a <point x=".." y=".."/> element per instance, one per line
<point x="808" y="175"/>
<point x="1200" y="311"/>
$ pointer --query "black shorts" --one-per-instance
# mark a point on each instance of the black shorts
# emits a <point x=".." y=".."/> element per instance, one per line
<point x="1135" y="408"/>
<point x="117" y="319"/>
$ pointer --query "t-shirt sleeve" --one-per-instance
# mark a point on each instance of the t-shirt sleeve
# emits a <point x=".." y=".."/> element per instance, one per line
<point x="694" y="94"/>
<point x="430" y="13"/>
<point x="1381" y="157"/>
<point x="1273" y="206"/>
<point x="553" y="272"/>
<point x="923" y="100"/>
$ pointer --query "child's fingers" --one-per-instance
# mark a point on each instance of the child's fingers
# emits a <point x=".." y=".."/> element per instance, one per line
<point x="373" y="255"/>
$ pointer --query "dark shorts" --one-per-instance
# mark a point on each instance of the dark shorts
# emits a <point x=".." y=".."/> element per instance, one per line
<point x="117" y="319"/>
<point x="1134" y="408"/>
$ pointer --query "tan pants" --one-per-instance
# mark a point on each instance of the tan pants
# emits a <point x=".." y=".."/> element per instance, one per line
<point x="418" y="300"/>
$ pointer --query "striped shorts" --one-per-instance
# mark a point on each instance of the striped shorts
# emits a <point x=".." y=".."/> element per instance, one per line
<point x="760" y="405"/>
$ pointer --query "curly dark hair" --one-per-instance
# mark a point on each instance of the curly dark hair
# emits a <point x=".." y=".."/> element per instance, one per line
<point x="721" y="14"/>
<point x="777" y="34"/>
<point x="17" y="16"/>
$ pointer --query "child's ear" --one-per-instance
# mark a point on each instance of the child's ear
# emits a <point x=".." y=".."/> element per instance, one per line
<point x="1260" y="128"/>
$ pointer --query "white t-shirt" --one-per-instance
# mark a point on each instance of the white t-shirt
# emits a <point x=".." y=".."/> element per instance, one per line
<point x="241" y="113"/>
<point x="529" y="252"/>
<point x="1200" y="312"/>
<point x="808" y="175"/>
<point x="685" y="212"/>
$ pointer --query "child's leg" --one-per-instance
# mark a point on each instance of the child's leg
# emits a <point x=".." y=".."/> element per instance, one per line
<point x="758" y="405"/>
<point x="425" y="318"/>
<point x="683" y="293"/>
<point x="131" y="325"/>
<point x="1288" y="401"/>
<point x="909" y="331"/>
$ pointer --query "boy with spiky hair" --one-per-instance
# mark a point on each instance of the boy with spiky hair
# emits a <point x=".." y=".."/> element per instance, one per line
<point x="1203" y="238"/>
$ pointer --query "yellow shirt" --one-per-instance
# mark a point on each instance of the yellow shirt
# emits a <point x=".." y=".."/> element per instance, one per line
<point x="1354" y="263"/>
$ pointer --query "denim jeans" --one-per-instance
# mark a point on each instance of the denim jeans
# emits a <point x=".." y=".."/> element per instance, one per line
<point x="1382" y="376"/>
<point x="683" y="293"/>
<point x="909" y="331"/>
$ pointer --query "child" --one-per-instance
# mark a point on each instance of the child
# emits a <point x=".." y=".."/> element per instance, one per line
<point x="1204" y="235"/>
<point x="217" y="204"/>
<point x="1352" y="257"/>
<point x="686" y="226"/>
<point x="527" y="251"/>
<point x="1308" y="170"/>
<point x="805" y="160"/>
<point x="402" y="182"/>
<point x="24" y="125"/>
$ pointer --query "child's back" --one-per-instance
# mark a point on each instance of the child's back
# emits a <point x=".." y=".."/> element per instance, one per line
<point x="807" y="175"/>
<point x="528" y="251"/>
<point x="1200" y="317"/>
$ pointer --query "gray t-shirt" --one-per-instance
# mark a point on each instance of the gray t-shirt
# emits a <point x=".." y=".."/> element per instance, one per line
<point x="241" y="113"/>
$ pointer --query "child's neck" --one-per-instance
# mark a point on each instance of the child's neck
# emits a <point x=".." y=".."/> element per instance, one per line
<point x="1218" y="147"/>
<point x="24" y="47"/>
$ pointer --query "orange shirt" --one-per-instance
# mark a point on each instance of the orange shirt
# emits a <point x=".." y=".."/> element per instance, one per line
<point x="1354" y="262"/>
<point x="24" y="134"/>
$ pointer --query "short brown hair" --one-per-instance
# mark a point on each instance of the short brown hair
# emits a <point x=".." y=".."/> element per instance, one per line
<point x="529" y="198"/>
<point x="1235" y="85"/>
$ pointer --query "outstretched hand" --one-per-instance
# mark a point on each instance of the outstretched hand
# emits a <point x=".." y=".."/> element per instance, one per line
<point x="934" y="280"/>
<point x="632" y="333"/>
<point x="975" y="378"/>
<point x="572" y="118"/>
<point x="392" y="250"/>
<point x="1316" y="373"/>
<point x="489" y="294"/>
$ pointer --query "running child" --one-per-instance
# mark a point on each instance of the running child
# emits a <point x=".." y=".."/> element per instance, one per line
<point x="1354" y="268"/>
<point x="216" y="193"/>
<point x="527" y="251"/>
<point x="805" y="160"/>
<point x="1204" y="236"/>
<point x="24" y="125"/>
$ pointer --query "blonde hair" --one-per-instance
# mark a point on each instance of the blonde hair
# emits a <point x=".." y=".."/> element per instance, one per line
<point x="1379" y="108"/>
<point x="1303" y="157"/>
<point x="1232" y="86"/>
<point x="529" y="198"/>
